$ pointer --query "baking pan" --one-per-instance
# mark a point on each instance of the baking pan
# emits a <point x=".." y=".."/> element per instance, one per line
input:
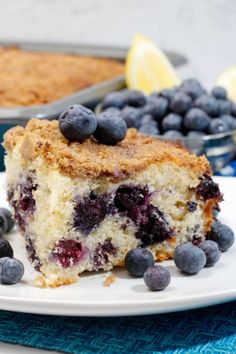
<point x="88" y="96"/>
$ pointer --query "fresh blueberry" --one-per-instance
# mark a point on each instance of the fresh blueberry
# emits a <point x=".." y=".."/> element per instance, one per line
<point x="138" y="260"/>
<point x="168" y="94"/>
<point x="8" y="216"/>
<point x="77" y="123"/>
<point x="172" y="135"/>
<point x="111" y="129"/>
<point x="180" y="103"/>
<point x="189" y="258"/>
<point x="135" y="98"/>
<point x="217" y="126"/>
<point x="233" y="109"/>
<point x="154" y="94"/>
<point x="157" y="277"/>
<point x="131" y="116"/>
<point x="3" y="222"/>
<point x="112" y="110"/>
<point x="157" y="107"/>
<point x="172" y="121"/>
<point x="215" y="213"/>
<point x="224" y="107"/>
<point x="196" y="119"/>
<point x="219" y="93"/>
<point x="5" y="249"/>
<point x="230" y="121"/>
<point x="211" y="250"/>
<point x="114" y="99"/>
<point x="149" y="128"/>
<point x="192" y="88"/>
<point x="195" y="135"/>
<point x="1" y="233"/>
<point x="146" y="119"/>
<point x="11" y="270"/>
<point x="208" y="104"/>
<point x="222" y="235"/>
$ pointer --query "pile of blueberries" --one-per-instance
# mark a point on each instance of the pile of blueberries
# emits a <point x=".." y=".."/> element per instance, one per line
<point x="11" y="269"/>
<point x="189" y="258"/>
<point x="186" y="110"/>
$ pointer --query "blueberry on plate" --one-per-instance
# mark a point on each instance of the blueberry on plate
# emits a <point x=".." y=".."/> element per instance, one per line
<point x="5" y="249"/>
<point x="138" y="260"/>
<point x="222" y="235"/>
<point x="77" y="123"/>
<point x="134" y="98"/>
<point x="172" y="121"/>
<point x="11" y="270"/>
<point x="8" y="215"/>
<point x="217" y="126"/>
<point x="219" y="92"/>
<point x="149" y="128"/>
<point x="111" y="128"/>
<point x="192" y="88"/>
<point x="211" y="250"/>
<point x="173" y="135"/>
<point x="195" y="135"/>
<point x="114" y="99"/>
<point x="189" y="259"/>
<point x="147" y="118"/>
<point x="157" y="277"/>
<point x="224" y="107"/>
<point x="3" y="222"/>
<point x="157" y="107"/>
<point x="208" y="104"/>
<point x="196" y="119"/>
<point x="230" y="121"/>
<point x="131" y="116"/>
<point x="180" y="103"/>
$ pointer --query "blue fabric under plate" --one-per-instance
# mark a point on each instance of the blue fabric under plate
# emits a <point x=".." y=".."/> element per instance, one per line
<point x="209" y="330"/>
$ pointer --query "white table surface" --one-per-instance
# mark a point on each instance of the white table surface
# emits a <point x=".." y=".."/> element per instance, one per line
<point x="13" y="349"/>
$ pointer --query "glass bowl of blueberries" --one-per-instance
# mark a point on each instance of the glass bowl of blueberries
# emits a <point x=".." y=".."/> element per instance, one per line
<point x="205" y="122"/>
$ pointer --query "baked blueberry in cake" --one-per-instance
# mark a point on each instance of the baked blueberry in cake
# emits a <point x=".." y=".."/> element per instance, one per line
<point x="82" y="205"/>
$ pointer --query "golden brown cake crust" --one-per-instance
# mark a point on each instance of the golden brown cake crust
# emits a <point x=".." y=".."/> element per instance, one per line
<point x="33" y="78"/>
<point x="91" y="159"/>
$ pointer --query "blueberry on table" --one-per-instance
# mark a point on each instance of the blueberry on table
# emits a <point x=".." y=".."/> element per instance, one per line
<point x="173" y="135"/>
<point x="211" y="250"/>
<point x="157" y="277"/>
<point x="8" y="215"/>
<point x="180" y="103"/>
<point x="230" y="121"/>
<point x="3" y="222"/>
<point x="189" y="259"/>
<point x="217" y="126"/>
<point x="172" y="121"/>
<point x="224" y="107"/>
<point x="5" y="249"/>
<point x="149" y="128"/>
<point x="219" y="92"/>
<point x="114" y="99"/>
<point x="111" y="128"/>
<point x="11" y="270"/>
<point x="222" y="235"/>
<point x="208" y="104"/>
<point x="196" y="119"/>
<point x="138" y="260"/>
<point x="157" y="107"/>
<point x="131" y="116"/>
<point x="77" y="123"/>
<point x="134" y="98"/>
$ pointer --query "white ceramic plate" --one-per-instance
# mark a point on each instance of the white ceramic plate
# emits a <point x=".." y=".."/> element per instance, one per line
<point x="126" y="296"/>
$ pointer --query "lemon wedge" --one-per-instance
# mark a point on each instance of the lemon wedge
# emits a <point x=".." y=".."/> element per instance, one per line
<point x="228" y="80"/>
<point x="147" y="68"/>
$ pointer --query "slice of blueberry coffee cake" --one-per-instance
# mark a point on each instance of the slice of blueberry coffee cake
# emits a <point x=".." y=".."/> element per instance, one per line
<point x="83" y="205"/>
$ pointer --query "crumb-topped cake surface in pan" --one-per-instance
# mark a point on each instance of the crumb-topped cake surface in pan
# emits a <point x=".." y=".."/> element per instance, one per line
<point x="83" y="206"/>
<point x="34" y="78"/>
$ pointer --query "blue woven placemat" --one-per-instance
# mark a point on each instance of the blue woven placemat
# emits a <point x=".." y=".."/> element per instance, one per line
<point x="209" y="330"/>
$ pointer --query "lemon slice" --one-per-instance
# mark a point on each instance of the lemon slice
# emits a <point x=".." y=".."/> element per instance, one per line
<point x="147" y="68"/>
<point x="228" y="80"/>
